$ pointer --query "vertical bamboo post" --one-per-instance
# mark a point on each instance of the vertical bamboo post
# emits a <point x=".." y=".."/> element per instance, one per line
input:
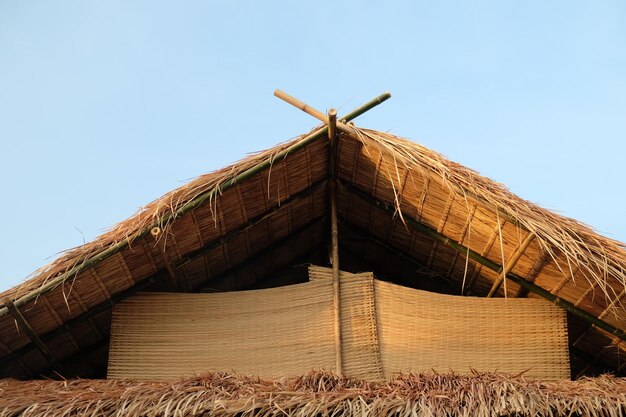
<point x="334" y="235"/>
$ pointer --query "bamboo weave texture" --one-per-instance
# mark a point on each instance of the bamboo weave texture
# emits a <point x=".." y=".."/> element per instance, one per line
<point x="386" y="329"/>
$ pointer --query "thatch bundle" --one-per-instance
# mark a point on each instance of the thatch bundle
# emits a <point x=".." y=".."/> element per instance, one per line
<point x="317" y="393"/>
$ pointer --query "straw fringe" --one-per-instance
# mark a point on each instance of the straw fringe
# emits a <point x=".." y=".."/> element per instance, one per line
<point x="160" y="212"/>
<point x="316" y="393"/>
<point x="597" y="257"/>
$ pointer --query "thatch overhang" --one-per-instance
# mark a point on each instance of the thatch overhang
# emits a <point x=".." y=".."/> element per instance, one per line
<point x="405" y="212"/>
<point x="318" y="393"/>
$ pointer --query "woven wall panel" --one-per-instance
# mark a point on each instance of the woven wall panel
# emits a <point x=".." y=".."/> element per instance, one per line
<point x="272" y="333"/>
<point x="422" y="331"/>
<point x="359" y="336"/>
<point x="386" y="329"/>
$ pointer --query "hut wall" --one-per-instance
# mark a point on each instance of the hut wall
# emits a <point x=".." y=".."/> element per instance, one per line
<point x="386" y="329"/>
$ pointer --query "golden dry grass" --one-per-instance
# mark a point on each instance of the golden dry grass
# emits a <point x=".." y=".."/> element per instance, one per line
<point x="316" y="393"/>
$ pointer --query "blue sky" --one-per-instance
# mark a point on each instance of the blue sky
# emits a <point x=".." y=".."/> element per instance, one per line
<point x="105" y="106"/>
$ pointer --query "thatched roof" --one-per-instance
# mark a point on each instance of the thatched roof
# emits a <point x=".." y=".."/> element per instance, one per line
<point x="405" y="212"/>
<point x="317" y="393"/>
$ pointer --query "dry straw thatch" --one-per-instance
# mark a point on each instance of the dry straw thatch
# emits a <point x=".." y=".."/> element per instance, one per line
<point x="595" y="257"/>
<point x="159" y="213"/>
<point x="317" y="393"/>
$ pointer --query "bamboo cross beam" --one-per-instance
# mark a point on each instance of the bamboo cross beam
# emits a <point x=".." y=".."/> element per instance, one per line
<point x="341" y="122"/>
<point x="311" y="111"/>
<point x="23" y="324"/>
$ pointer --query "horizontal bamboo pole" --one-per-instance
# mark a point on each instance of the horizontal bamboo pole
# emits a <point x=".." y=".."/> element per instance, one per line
<point x="113" y="249"/>
<point x="494" y="266"/>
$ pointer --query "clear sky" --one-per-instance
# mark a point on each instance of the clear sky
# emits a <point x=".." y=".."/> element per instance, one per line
<point x="106" y="105"/>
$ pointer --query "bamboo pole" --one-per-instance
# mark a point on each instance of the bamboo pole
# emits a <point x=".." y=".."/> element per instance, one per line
<point x="511" y="264"/>
<point x="334" y="235"/>
<point x="494" y="266"/>
<point x="23" y="324"/>
<point x="311" y="111"/>
<point x="365" y="107"/>
<point x="192" y="204"/>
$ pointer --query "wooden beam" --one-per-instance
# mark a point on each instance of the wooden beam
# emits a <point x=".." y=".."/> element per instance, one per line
<point x="494" y="266"/>
<point x="23" y="325"/>
<point x="511" y="263"/>
<point x="334" y="236"/>
<point x="83" y="355"/>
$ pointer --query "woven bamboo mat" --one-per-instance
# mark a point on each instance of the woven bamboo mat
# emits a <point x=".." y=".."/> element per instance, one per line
<point x="359" y="337"/>
<point x="386" y="329"/>
<point x="423" y="331"/>
<point x="271" y="333"/>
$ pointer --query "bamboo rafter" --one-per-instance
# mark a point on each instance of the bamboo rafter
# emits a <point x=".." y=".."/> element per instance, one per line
<point x="511" y="263"/>
<point x="23" y="324"/>
<point x="334" y="235"/>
